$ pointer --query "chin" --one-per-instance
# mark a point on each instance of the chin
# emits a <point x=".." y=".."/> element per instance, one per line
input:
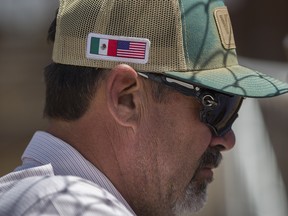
<point x="193" y="200"/>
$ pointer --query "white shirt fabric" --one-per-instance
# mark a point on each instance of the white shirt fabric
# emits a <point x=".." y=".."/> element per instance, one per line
<point x="55" y="179"/>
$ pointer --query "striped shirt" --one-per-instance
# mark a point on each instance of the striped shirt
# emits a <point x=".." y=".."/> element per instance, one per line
<point x="49" y="156"/>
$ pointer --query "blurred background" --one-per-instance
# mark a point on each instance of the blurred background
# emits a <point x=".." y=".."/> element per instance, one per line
<point x="253" y="178"/>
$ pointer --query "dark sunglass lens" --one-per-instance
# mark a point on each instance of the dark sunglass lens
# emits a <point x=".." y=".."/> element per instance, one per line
<point x="221" y="118"/>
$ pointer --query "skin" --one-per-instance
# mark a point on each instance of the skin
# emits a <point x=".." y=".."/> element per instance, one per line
<point x="150" y="151"/>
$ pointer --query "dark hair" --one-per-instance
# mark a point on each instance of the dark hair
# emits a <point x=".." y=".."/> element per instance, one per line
<point x="69" y="88"/>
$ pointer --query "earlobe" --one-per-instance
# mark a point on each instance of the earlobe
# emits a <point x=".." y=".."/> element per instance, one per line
<point x="122" y="91"/>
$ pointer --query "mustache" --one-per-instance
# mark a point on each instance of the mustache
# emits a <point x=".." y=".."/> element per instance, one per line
<point x="211" y="158"/>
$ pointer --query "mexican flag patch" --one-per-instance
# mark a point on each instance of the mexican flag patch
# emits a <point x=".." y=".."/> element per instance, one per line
<point x="117" y="48"/>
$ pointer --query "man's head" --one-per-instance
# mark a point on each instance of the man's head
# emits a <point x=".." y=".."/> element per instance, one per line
<point x="148" y="91"/>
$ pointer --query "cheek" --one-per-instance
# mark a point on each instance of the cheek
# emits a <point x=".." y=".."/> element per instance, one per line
<point x="175" y="139"/>
<point x="180" y="131"/>
<point x="185" y="140"/>
<point x="188" y="141"/>
<point x="194" y="135"/>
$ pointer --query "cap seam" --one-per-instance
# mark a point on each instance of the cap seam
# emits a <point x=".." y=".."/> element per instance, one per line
<point x="187" y="58"/>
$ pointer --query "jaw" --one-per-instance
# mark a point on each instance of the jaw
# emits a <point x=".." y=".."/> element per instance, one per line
<point x="193" y="199"/>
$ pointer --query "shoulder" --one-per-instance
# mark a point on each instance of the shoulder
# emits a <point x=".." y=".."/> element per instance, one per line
<point x="59" y="195"/>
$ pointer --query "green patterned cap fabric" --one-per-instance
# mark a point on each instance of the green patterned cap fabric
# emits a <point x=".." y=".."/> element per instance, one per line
<point x="190" y="40"/>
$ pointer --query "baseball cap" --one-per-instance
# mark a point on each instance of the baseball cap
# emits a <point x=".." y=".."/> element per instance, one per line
<point x="189" y="40"/>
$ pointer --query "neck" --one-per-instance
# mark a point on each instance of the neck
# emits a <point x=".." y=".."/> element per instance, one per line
<point x="100" y="143"/>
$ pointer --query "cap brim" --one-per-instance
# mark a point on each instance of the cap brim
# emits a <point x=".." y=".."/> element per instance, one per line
<point x="236" y="80"/>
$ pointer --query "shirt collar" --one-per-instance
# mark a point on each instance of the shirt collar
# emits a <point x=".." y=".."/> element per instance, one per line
<point x="45" y="148"/>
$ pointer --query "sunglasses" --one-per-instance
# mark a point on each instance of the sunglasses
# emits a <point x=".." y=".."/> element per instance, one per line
<point x="219" y="111"/>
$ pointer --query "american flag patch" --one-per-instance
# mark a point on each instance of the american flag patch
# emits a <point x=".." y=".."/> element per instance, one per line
<point x="117" y="48"/>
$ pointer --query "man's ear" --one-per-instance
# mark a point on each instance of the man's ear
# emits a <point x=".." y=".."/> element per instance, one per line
<point x="122" y="93"/>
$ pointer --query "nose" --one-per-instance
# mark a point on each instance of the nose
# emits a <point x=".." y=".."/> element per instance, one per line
<point x="225" y="142"/>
